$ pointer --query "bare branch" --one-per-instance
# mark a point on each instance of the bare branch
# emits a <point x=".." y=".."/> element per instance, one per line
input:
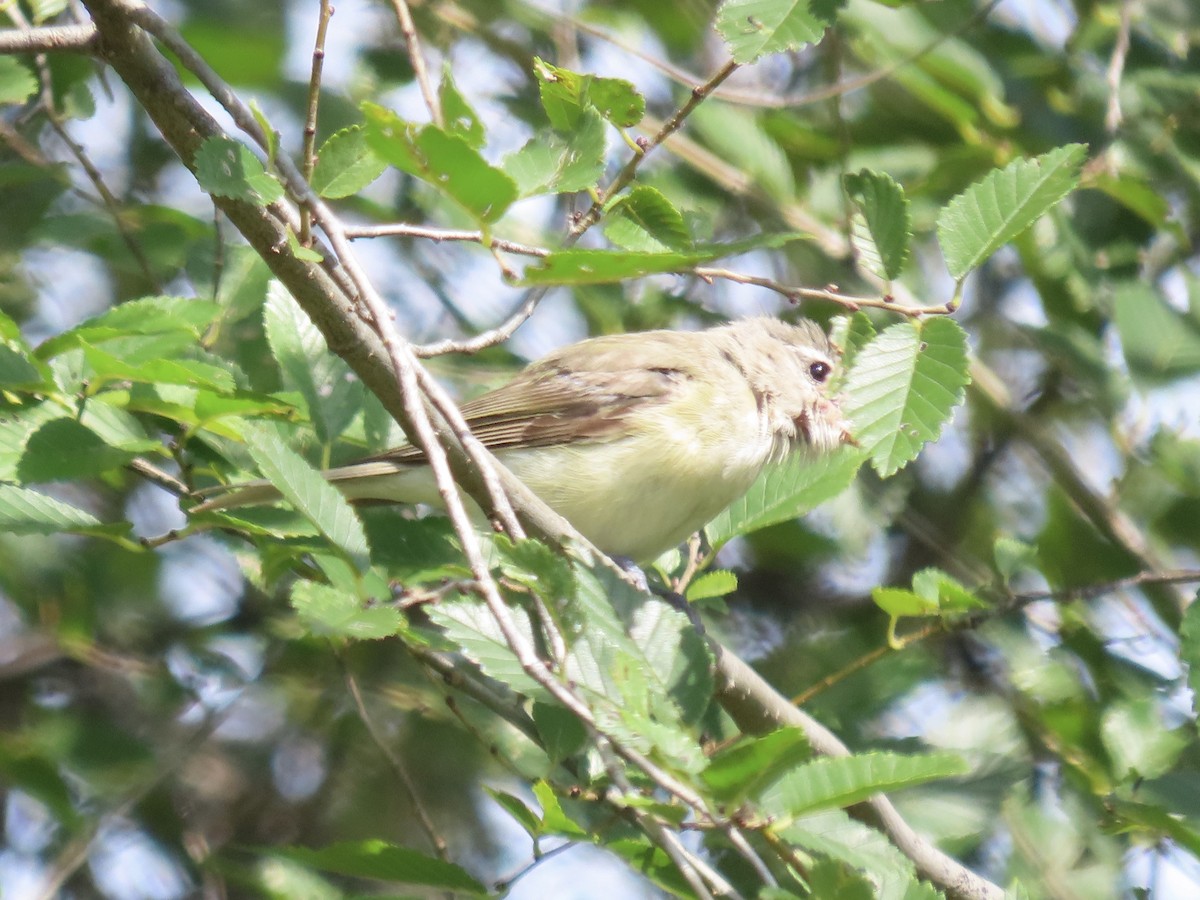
<point x="1116" y="67"/>
<point x="417" y="59"/>
<point x="309" y="151"/>
<point x="50" y="39"/>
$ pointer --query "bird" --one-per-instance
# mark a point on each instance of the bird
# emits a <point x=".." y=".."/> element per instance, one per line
<point x="637" y="439"/>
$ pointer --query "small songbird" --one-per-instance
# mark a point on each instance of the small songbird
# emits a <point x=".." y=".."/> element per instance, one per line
<point x="638" y="440"/>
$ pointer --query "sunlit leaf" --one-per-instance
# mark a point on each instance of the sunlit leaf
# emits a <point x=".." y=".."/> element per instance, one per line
<point x="387" y="862"/>
<point x="645" y="220"/>
<point x="993" y="211"/>
<point x="754" y="28"/>
<point x="883" y="227"/>
<point x="346" y="164"/>
<point x="227" y="168"/>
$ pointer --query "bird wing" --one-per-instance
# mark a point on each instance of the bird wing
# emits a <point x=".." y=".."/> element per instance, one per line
<point x="554" y="402"/>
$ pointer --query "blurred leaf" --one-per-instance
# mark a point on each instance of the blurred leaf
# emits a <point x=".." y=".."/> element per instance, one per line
<point x="1189" y="647"/>
<point x="602" y="266"/>
<point x="882" y="233"/>
<point x="17" y="83"/>
<point x="738" y="770"/>
<point x="18" y="372"/>
<point x="563" y="735"/>
<point x="834" y="880"/>
<point x="147" y="316"/>
<point x="786" y="491"/>
<point x="106" y="367"/>
<point x="328" y="611"/>
<point x="308" y="492"/>
<point x="461" y="118"/>
<point x="646" y="221"/>
<point x="524" y="816"/>
<point x="1137" y="741"/>
<point x="65" y="450"/>
<point x="346" y="164"/>
<point x="1157" y="340"/>
<point x="711" y="584"/>
<point x="554" y="818"/>
<point x="992" y="212"/>
<point x="250" y="56"/>
<point x="332" y="392"/>
<point x="227" y="168"/>
<point x="754" y="28"/>
<point x="903" y="389"/>
<point x="386" y="862"/>
<point x="1012" y="556"/>
<point x="842" y="781"/>
<point x="833" y="833"/>
<point x="443" y="160"/>
<point x="900" y="603"/>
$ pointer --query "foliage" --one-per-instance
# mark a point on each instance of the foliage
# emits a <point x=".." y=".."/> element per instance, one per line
<point x="316" y="699"/>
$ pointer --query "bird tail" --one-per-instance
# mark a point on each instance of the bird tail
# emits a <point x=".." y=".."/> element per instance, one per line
<point x="370" y="480"/>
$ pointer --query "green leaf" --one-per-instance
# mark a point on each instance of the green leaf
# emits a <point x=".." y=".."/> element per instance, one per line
<point x="329" y="611"/>
<point x="443" y="160"/>
<point x="385" y="862"/>
<point x="17" y="83"/>
<point x="1157" y="340"/>
<point x="842" y="781"/>
<point x="1138" y="743"/>
<point x="461" y="118"/>
<point x="346" y="164"/>
<point x="1012" y="556"/>
<point x="563" y="735"/>
<point x="949" y="594"/>
<point x="472" y="627"/>
<point x="834" y="834"/>
<point x="604" y="266"/>
<point x="18" y="372"/>
<point x="993" y="211"/>
<point x="1189" y="648"/>
<point x="734" y="772"/>
<point x="308" y="492"/>
<point x="754" y="28"/>
<point x="712" y="584"/>
<point x="148" y="316"/>
<point x="786" y="491"/>
<point x="228" y="168"/>
<point x="332" y="392"/>
<point x="851" y="334"/>
<point x="901" y="603"/>
<point x="524" y="816"/>
<point x="831" y="878"/>
<point x="903" y="389"/>
<point x="646" y="221"/>
<point x="555" y="163"/>
<point x="107" y="367"/>
<point x="554" y="818"/>
<point x="23" y="511"/>
<point x="66" y="450"/>
<point x="567" y="96"/>
<point x="882" y="229"/>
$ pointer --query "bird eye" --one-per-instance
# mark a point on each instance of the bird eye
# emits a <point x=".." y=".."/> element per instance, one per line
<point x="819" y="371"/>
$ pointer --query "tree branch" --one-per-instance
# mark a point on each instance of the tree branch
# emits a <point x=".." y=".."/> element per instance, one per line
<point x="50" y="39"/>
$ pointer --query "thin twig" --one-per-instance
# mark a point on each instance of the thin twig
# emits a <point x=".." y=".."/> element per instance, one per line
<point x="417" y="59"/>
<point x="308" y="159"/>
<point x="164" y="480"/>
<point x="398" y="765"/>
<point x="629" y="171"/>
<point x="1116" y="67"/>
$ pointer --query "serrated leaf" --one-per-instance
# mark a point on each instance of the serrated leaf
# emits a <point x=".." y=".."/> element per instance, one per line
<point x="712" y="584"/>
<point x="108" y="367"/>
<point x="604" y="266"/>
<point x="24" y="511"/>
<point x="346" y="164"/>
<point x="786" y="491"/>
<point x="903" y="389"/>
<point x="832" y="782"/>
<point x="993" y="211"/>
<point x="18" y="372"/>
<point x="644" y="220"/>
<point x="555" y="163"/>
<point x="333" y="394"/>
<point x="329" y="611"/>
<point x="882" y="231"/>
<point x="754" y="761"/>
<point x="833" y="833"/>
<point x="303" y="487"/>
<point x="146" y="316"/>
<point x="386" y="862"/>
<point x="228" y="168"/>
<point x="754" y="28"/>
<point x="472" y="627"/>
<point x="443" y="160"/>
<point x="949" y="594"/>
<point x="17" y="82"/>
